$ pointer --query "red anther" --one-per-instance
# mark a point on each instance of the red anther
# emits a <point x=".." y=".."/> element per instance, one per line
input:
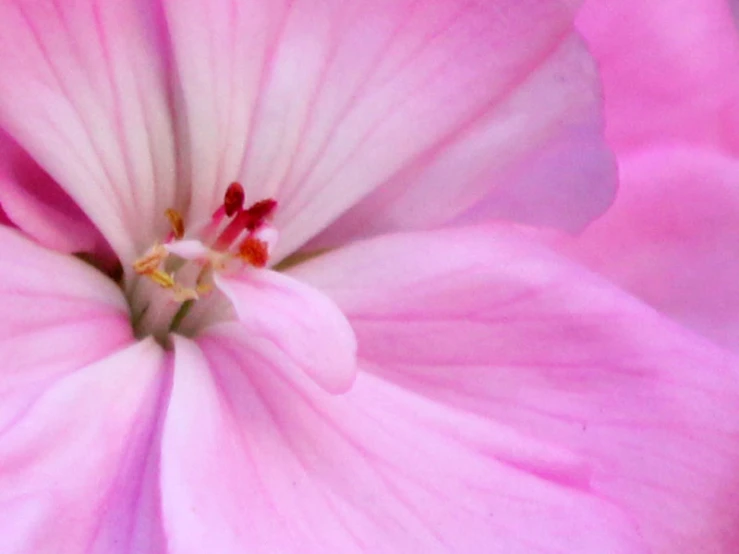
<point x="233" y="201"/>
<point x="258" y="213"/>
<point x="254" y="251"/>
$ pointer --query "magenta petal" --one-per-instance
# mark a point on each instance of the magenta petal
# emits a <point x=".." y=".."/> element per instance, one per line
<point x="299" y="320"/>
<point x="491" y="324"/>
<point x="256" y="459"/>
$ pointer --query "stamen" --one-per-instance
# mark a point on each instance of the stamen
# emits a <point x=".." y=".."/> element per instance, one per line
<point x="254" y="251"/>
<point x="177" y="223"/>
<point x="258" y="213"/>
<point x="249" y="220"/>
<point x="187" y="267"/>
<point x="233" y="200"/>
<point x="230" y="233"/>
<point x="161" y="278"/>
<point x="150" y="261"/>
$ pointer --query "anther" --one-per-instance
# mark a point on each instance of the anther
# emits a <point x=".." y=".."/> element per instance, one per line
<point x="176" y="222"/>
<point x="149" y="262"/>
<point x="233" y="201"/>
<point x="164" y="280"/>
<point x="254" y="251"/>
<point x="258" y="212"/>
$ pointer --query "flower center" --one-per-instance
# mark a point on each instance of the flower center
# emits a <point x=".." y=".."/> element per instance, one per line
<point x="175" y="291"/>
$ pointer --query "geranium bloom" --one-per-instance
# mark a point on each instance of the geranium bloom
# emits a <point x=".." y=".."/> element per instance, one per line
<point x="301" y="351"/>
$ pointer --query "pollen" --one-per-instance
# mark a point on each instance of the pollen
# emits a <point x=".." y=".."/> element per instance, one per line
<point x="254" y="251"/>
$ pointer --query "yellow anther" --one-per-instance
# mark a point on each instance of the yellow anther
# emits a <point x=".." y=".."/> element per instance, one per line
<point x="161" y="278"/>
<point x="176" y="222"/>
<point x="150" y="261"/>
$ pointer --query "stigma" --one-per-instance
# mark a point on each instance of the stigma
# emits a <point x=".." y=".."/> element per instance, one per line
<point x="235" y="239"/>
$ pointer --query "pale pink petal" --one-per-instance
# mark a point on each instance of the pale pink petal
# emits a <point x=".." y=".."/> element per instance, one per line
<point x="77" y="472"/>
<point x="76" y="409"/>
<point x="672" y="238"/>
<point x="84" y="90"/>
<point x="669" y="70"/>
<point x="58" y="314"/>
<point x="318" y="103"/>
<point x="256" y="459"/>
<point x="308" y="327"/>
<point x="37" y="205"/>
<point x="537" y="157"/>
<point x="489" y="323"/>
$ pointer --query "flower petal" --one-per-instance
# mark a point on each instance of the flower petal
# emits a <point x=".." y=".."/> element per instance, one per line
<point x="38" y="206"/>
<point x="536" y="157"/>
<point x="490" y="323"/>
<point x="672" y="237"/>
<point x="84" y="90"/>
<point x="76" y="467"/>
<point x="318" y="103"/>
<point x="76" y="409"/>
<point x="299" y="320"/>
<point x="669" y="70"/>
<point x="57" y="301"/>
<point x="281" y="466"/>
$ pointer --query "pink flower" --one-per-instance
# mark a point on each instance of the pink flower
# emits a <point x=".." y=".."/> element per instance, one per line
<point x="403" y="383"/>
<point x="672" y="115"/>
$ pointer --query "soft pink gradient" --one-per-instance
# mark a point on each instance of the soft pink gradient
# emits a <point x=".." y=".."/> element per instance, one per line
<point x="667" y="69"/>
<point x="457" y="390"/>
<point x="672" y="111"/>
<point x="530" y="341"/>
<point x="140" y="107"/>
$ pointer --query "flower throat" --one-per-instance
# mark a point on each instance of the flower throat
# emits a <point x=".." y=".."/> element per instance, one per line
<point x="178" y="273"/>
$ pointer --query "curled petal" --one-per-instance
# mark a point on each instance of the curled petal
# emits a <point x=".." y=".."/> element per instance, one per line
<point x="314" y="335"/>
